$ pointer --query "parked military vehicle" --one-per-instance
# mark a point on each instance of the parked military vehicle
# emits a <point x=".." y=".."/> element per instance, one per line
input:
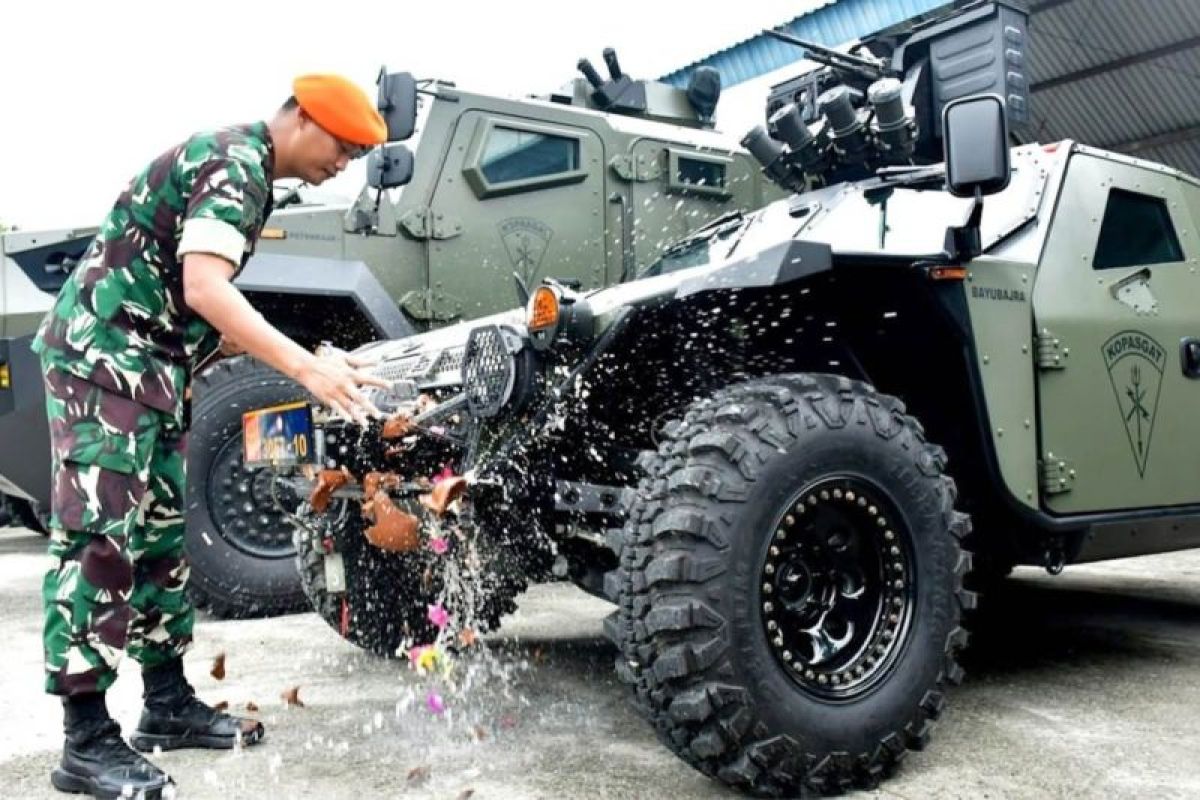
<point x="793" y="453"/>
<point x="581" y="186"/>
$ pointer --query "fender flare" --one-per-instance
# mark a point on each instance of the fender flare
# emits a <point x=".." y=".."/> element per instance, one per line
<point x="274" y="274"/>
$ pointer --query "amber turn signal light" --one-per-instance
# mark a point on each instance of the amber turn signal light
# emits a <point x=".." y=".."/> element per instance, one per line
<point x="543" y="309"/>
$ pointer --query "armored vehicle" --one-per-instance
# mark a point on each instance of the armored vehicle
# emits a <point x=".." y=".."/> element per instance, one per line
<point x="580" y="186"/>
<point x="796" y="451"/>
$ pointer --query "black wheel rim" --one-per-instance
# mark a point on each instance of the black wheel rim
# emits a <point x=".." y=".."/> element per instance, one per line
<point x="837" y="587"/>
<point x="241" y="506"/>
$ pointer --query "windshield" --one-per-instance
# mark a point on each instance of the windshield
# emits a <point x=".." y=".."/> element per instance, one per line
<point x="700" y="249"/>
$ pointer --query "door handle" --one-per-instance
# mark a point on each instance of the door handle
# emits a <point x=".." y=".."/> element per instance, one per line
<point x="1189" y="356"/>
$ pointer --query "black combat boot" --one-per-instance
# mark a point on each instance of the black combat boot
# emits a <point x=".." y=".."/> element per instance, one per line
<point x="174" y="717"/>
<point x="97" y="761"/>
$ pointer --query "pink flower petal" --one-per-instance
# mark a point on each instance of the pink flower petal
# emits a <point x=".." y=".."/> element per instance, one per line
<point x="439" y="545"/>
<point x="438" y="615"/>
<point x="441" y="476"/>
<point x="435" y="703"/>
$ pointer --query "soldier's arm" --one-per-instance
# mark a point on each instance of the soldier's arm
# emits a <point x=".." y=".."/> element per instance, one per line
<point x="334" y="381"/>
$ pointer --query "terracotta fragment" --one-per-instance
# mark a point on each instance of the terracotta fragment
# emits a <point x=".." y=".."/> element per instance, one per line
<point x="445" y="492"/>
<point x="394" y="530"/>
<point x="397" y="425"/>
<point x="328" y="482"/>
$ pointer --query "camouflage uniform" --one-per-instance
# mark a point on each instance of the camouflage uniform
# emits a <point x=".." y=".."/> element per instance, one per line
<point x="117" y="350"/>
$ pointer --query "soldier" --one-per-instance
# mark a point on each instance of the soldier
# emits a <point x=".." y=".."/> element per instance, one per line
<point x="152" y="298"/>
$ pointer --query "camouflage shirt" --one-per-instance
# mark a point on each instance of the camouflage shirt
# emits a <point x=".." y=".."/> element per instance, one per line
<point x="120" y="320"/>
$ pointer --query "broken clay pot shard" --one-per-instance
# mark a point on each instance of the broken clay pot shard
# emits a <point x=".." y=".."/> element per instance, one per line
<point x="328" y="482"/>
<point x="394" y="530"/>
<point x="397" y="425"/>
<point x="445" y="492"/>
<point x="374" y="482"/>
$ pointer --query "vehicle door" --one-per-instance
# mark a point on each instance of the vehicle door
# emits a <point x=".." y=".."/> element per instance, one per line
<point x="515" y="195"/>
<point x="675" y="189"/>
<point x="1115" y="300"/>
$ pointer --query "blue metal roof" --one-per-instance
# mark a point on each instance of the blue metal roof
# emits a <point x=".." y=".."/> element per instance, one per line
<point x="837" y="23"/>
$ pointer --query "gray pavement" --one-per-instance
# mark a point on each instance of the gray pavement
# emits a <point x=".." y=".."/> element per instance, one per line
<point x="1081" y="686"/>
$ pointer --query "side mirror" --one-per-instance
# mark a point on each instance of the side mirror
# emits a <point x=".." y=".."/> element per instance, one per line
<point x="389" y="167"/>
<point x="398" y="103"/>
<point x="975" y="142"/>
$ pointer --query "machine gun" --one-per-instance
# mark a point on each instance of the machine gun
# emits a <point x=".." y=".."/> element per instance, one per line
<point x="880" y="105"/>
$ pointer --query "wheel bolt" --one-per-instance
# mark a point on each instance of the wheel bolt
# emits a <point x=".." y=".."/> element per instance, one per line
<point x="850" y="496"/>
<point x="769" y="569"/>
<point x="873" y="511"/>
<point x="774" y="550"/>
<point x="888" y="535"/>
<point x="768" y="607"/>
<point x="789" y="520"/>
<point x="837" y="493"/>
<point x="772" y="624"/>
<point x="894" y="551"/>
<point x="787" y="655"/>
<point x="777" y="641"/>
<point x="781" y="534"/>
<point x="862" y="501"/>
<point x="898" y="585"/>
<point x="824" y="494"/>
<point x="881" y="522"/>
<point x="812" y="499"/>
<point x="767" y="588"/>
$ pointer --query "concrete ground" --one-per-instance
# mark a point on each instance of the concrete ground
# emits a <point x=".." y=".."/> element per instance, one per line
<point x="1081" y="686"/>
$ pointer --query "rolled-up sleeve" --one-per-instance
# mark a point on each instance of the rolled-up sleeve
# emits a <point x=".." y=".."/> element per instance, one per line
<point x="227" y="199"/>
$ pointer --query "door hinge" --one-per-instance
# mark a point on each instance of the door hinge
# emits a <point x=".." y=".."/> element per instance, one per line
<point x="424" y="223"/>
<point x="413" y="221"/>
<point x="431" y="306"/>
<point x="636" y="168"/>
<point x="1051" y="354"/>
<point x="1056" y="475"/>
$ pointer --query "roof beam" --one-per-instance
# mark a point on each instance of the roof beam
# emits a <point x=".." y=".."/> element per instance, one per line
<point x="1046" y="5"/>
<point x="1179" y="135"/>
<point x="1120" y="63"/>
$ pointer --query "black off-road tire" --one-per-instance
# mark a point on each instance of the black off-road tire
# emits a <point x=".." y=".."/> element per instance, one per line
<point x="385" y="604"/>
<point x="238" y="543"/>
<point x="691" y="617"/>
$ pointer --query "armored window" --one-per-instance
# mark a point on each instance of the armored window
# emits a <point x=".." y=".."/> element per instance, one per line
<point x="509" y="156"/>
<point x="1136" y="230"/>
<point x="513" y="155"/>
<point x="702" y="174"/>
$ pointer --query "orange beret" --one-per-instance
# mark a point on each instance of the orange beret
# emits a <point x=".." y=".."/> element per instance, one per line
<point x="341" y="108"/>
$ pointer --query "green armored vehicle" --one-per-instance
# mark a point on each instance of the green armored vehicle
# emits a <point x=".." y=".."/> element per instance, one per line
<point x="795" y="451"/>
<point x="580" y="186"/>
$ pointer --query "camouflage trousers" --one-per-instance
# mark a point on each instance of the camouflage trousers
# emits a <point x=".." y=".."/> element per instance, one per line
<point x="118" y="574"/>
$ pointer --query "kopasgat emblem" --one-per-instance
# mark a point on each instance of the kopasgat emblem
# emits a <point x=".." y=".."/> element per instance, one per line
<point x="526" y="240"/>
<point x="1135" y="365"/>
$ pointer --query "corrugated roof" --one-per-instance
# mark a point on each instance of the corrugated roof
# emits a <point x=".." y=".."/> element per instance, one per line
<point x="836" y="23"/>
<point x="1122" y="75"/>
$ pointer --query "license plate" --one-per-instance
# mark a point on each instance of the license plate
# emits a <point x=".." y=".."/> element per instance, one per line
<point x="278" y="436"/>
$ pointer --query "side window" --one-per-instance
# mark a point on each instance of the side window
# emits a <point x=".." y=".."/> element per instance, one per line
<point x="513" y="155"/>
<point x="702" y="174"/>
<point x="510" y="156"/>
<point x="1136" y="230"/>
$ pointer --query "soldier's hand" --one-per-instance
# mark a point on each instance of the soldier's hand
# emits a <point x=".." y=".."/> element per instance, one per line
<point x="334" y="379"/>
